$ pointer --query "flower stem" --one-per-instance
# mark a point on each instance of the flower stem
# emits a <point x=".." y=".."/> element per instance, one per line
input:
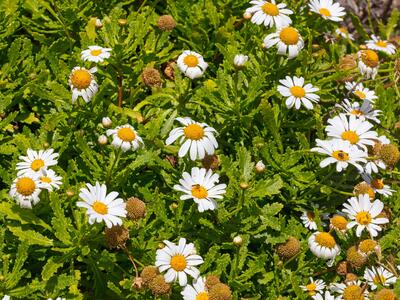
<point x="115" y="162"/>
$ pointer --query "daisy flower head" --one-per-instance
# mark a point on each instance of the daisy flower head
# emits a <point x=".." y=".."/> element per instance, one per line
<point x="344" y="33"/>
<point x="297" y="93"/>
<point x="82" y="83"/>
<point x="326" y="296"/>
<point x="269" y="13"/>
<point x="179" y="261"/>
<point x="240" y="60"/>
<point x="361" y="92"/>
<point x="314" y="287"/>
<point x="349" y="290"/>
<point x="36" y="161"/>
<point x="308" y="219"/>
<point x="323" y="245"/>
<point x="364" y="214"/>
<point x="380" y="45"/>
<point x="365" y="112"/>
<point x="368" y="63"/>
<point x="196" y="291"/>
<point x="328" y="9"/>
<point x="191" y="64"/>
<point x="201" y="186"/>
<point x="102" y="206"/>
<point x="125" y="137"/>
<point x="50" y="180"/>
<point x="378" y="276"/>
<point x="287" y="39"/>
<point x="338" y="222"/>
<point x="196" y="138"/>
<point x="340" y="152"/>
<point x="351" y="129"/>
<point x="95" y="54"/>
<point x="25" y="190"/>
<point x="377" y="185"/>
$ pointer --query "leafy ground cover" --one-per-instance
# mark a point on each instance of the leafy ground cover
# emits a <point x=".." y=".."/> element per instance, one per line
<point x="198" y="150"/>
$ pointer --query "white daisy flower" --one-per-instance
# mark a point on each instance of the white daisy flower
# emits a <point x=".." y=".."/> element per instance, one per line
<point x="308" y="219"/>
<point x="297" y="93"/>
<point x="179" y="261"/>
<point x="102" y="206"/>
<point x="368" y="63"/>
<point x="349" y="290"/>
<point x="240" y="61"/>
<point x="197" y="291"/>
<point x="125" y="137"/>
<point x="377" y="185"/>
<point x="50" y="180"/>
<point x="197" y="138"/>
<point x="342" y="153"/>
<point x="191" y="64"/>
<point x="352" y="129"/>
<point x="383" y="140"/>
<point x="269" y="13"/>
<point x="82" y="83"/>
<point x="365" y="112"/>
<point x="95" y="54"/>
<point x="35" y="161"/>
<point x="287" y="40"/>
<point x="326" y="296"/>
<point x="323" y="245"/>
<point x="25" y="190"/>
<point x="314" y="287"/>
<point x="361" y="92"/>
<point x="380" y="45"/>
<point x="344" y="33"/>
<point x="6" y="297"/>
<point x="327" y="9"/>
<point x="201" y="186"/>
<point x="364" y="214"/>
<point x="378" y="276"/>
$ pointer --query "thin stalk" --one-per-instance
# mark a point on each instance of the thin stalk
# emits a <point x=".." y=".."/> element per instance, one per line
<point x="115" y="162"/>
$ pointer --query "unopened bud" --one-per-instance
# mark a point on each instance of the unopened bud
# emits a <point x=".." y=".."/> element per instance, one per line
<point x="247" y="16"/>
<point x="70" y="193"/>
<point x="243" y="185"/>
<point x="106" y="122"/>
<point x="102" y="140"/>
<point x="237" y="240"/>
<point x="240" y="61"/>
<point x="122" y="22"/>
<point x="98" y="24"/>
<point x="260" y="167"/>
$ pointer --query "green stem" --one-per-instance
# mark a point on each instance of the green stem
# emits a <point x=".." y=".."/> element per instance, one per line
<point x="115" y="162"/>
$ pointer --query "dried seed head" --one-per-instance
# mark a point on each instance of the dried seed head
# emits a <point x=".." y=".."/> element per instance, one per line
<point x="389" y="153"/>
<point x="159" y="287"/>
<point x="342" y="268"/>
<point x="211" y="280"/>
<point x="385" y="294"/>
<point x="151" y="77"/>
<point x="137" y="283"/>
<point x="172" y="160"/>
<point x="353" y="292"/>
<point x="364" y="188"/>
<point x="116" y="236"/>
<point x="166" y="23"/>
<point x="347" y="62"/>
<point x="289" y="249"/>
<point x="136" y="209"/>
<point x="351" y="277"/>
<point x="169" y="70"/>
<point x="220" y="291"/>
<point x="210" y="162"/>
<point x="148" y="274"/>
<point x="355" y="258"/>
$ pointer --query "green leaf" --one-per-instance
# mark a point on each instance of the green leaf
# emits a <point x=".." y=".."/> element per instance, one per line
<point x="31" y="237"/>
<point x="24" y="216"/>
<point x="267" y="187"/>
<point x="50" y="268"/>
<point x="60" y="223"/>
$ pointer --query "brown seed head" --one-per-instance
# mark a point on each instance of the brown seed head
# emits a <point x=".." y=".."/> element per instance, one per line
<point x="390" y="154"/>
<point x="166" y="23"/>
<point x="211" y="280"/>
<point x="342" y="268"/>
<point x="136" y="209"/>
<point x="355" y="258"/>
<point x="151" y="77"/>
<point x="116" y="236"/>
<point x="289" y="249"/>
<point x="148" y="274"/>
<point x="347" y="62"/>
<point x="210" y="162"/>
<point x="385" y="294"/>
<point x="159" y="287"/>
<point x="220" y="291"/>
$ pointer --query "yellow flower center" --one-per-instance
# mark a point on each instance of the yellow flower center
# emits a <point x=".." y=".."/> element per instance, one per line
<point x="270" y="9"/>
<point x="379" y="279"/>
<point x="367" y="246"/>
<point x="382" y="44"/>
<point x="81" y="79"/>
<point x="357" y="112"/>
<point x="360" y="94"/>
<point x="340" y="155"/>
<point x="325" y="239"/>
<point x="310" y="215"/>
<point x="353" y="292"/>
<point x="298" y="91"/>
<point x="350" y="136"/>
<point x="363" y="218"/>
<point x="202" y="296"/>
<point x="343" y="30"/>
<point x="377" y="184"/>
<point x="289" y="36"/>
<point x="311" y="288"/>
<point x="199" y="191"/>
<point x="126" y="134"/>
<point x="370" y="58"/>
<point x="100" y="207"/>
<point x="95" y="52"/>
<point x="178" y="262"/>
<point x="339" y="222"/>
<point x="325" y="12"/>
<point x="45" y="179"/>
<point x="194" y="132"/>
<point x="25" y="186"/>
<point x="37" y="164"/>
<point x="191" y="61"/>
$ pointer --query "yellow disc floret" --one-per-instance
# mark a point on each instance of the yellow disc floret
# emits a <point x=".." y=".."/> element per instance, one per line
<point x="340" y="155"/>
<point x="81" y="79"/>
<point x="25" y="186"/>
<point x="100" y="208"/>
<point x="270" y="9"/>
<point x="178" y="262"/>
<point x="202" y="296"/>
<point x="298" y="91"/>
<point x="126" y="134"/>
<point x="37" y="164"/>
<point x="325" y="12"/>
<point x="194" y="132"/>
<point x="339" y="222"/>
<point x="370" y="58"/>
<point x="325" y="239"/>
<point x="363" y="218"/>
<point x="289" y="36"/>
<point x="96" y="52"/>
<point x="353" y="292"/>
<point x="350" y="136"/>
<point x="199" y="191"/>
<point x="191" y="60"/>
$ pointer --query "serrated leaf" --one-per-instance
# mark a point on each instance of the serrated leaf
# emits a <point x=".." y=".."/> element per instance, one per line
<point x="24" y="216"/>
<point x="50" y="268"/>
<point x="267" y="187"/>
<point x="31" y="237"/>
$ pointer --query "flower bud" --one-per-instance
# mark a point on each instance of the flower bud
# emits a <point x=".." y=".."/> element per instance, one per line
<point x="237" y="240"/>
<point x="70" y="193"/>
<point x="260" y="167"/>
<point x="364" y="188"/>
<point x="240" y="60"/>
<point x="347" y="62"/>
<point x="355" y="258"/>
<point x="122" y="22"/>
<point x="243" y="185"/>
<point x="247" y="16"/>
<point x="106" y="122"/>
<point x="102" y="140"/>
<point x="98" y="24"/>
